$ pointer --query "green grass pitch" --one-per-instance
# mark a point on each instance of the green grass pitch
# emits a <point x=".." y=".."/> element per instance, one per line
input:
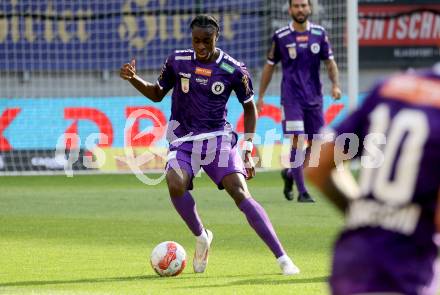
<point x="94" y="234"/>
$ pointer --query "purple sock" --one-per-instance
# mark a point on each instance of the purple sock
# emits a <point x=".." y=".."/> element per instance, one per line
<point x="258" y="219"/>
<point x="296" y="171"/>
<point x="186" y="207"/>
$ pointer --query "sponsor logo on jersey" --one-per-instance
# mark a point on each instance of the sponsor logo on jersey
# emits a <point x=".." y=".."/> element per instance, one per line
<point x="316" y="32"/>
<point x="303" y="45"/>
<point x="228" y="68"/>
<point x="304" y="38"/>
<point x="218" y="88"/>
<point x="202" y="81"/>
<point x="185" y="57"/>
<point x="185" y="84"/>
<point x="315" y="48"/>
<point x="203" y="72"/>
<point x="185" y="75"/>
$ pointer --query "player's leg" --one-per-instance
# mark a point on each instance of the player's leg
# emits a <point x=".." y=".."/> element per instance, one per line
<point x="297" y="160"/>
<point x="293" y="127"/>
<point x="229" y="173"/>
<point x="258" y="219"/>
<point x="313" y="122"/>
<point x="179" y="179"/>
<point x="178" y="182"/>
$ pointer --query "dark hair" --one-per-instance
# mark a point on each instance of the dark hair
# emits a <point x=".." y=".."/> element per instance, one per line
<point x="205" y="21"/>
<point x="309" y="1"/>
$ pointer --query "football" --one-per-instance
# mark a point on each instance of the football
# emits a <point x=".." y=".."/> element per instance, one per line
<point x="168" y="259"/>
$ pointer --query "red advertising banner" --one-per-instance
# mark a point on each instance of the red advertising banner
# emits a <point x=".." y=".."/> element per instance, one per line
<point x="420" y="27"/>
<point x="399" y="33"/>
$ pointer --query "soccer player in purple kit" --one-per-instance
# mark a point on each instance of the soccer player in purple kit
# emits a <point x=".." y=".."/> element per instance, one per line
<point x="387" y="245"/>
<point x="300" y="46"/>
<point x="202" y="80"/>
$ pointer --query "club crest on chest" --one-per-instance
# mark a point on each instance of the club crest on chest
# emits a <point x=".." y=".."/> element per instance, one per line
<point x="217" y="88"/>
<point x="291" y="48"/>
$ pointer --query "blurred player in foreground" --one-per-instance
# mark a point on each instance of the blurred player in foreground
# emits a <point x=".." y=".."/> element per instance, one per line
<point x="300" y="46"/>
<point x="202" y="80"/>
<point x="387" y="245"/>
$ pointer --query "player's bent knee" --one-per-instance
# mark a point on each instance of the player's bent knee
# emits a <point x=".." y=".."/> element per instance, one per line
<point x="176" y="190"/>
<point x="239" y="193"/>
<point x="236" y="187"/>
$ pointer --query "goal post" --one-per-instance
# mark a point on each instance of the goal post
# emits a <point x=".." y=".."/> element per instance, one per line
<point x="352" y="54"/>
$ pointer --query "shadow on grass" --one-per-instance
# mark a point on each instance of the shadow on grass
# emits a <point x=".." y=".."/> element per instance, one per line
<point x="188" y="276"/>
<point x="261" y="281"/>
<point x="78" y="281"/>
<point x="265" y="281"/>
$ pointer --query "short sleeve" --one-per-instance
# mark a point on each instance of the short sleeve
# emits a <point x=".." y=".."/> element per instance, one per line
<point x="326" y="48"/>
<point x="166" y="78"/>
<point x="274" y="56"/>
<point x="243" y="85"/>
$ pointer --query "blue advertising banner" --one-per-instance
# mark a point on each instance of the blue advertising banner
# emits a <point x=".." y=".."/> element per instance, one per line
<point x="42" y="123"/>
<point x="101" y="35"/>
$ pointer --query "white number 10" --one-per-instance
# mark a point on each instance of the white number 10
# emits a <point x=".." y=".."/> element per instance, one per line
<point x="408" y="130"/>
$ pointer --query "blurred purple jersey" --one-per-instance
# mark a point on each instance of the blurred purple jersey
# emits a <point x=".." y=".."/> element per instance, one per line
<point x="300" y="54"/>
<point x="200" y="93"/>
<point x="387" y="244"/>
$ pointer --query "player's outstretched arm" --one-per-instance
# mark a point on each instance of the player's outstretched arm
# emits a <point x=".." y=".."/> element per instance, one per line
<point x="149" y="90"/>
<point x="250" y="123"/>
<point x="333" y="75"/>
<point x="266" y="77"/>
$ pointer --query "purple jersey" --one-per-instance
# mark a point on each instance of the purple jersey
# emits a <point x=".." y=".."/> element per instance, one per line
<point x="300" y="54"/>
<point x="200" y="93"/>
<point x="387" y="244"/>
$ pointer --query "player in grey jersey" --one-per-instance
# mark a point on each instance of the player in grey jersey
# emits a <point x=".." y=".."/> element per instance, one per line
<point x="202" y="80"/>
<point x="387" y="245"/>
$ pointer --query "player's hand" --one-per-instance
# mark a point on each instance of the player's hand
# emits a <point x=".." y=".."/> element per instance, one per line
<point x="260" y="103"/>
<point x="249" y="165"/>
<point x="128" y="71"/>
<point x="336" y="93"/>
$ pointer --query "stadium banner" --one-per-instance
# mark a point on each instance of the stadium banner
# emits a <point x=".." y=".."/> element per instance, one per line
<point x="96" y="35"/>
<point x="41" y="160"/>
<point x="107" y="125"/>
<point x="271" y="156"/>
<point x="399" y="33"/>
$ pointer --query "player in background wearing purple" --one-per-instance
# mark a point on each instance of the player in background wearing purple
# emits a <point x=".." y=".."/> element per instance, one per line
<point x="387" y="245"/>
<point x="202" y="80"/>
<point x="300" y="46"/>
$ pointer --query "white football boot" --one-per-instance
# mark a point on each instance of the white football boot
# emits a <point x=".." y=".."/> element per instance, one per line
<point x="203" y="242"/>
<point x="287" y="266"/>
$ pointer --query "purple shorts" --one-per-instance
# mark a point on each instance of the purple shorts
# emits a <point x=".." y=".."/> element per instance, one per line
<point x="372" y="261"/>
<point x="217" y="156"/>
<point x="297" y="120"/>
